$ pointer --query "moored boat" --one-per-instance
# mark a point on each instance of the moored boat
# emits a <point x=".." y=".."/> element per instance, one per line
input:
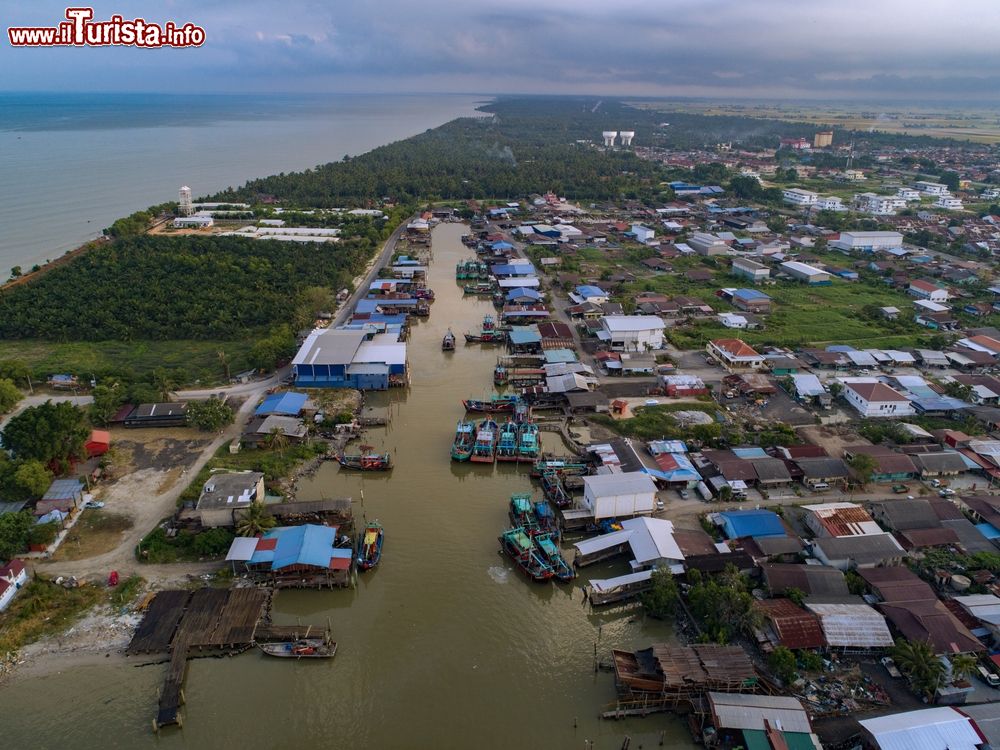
<point x="302" y="648"/>
<point x="507" y="443"/>
<point x="370" y="547"/>
<point x="492" y="405"/>
<point x="528" y="446"/>
<point x="482" y="289"/>
<point x="448" y="342"/>
<point x="546" y="518"/>
<point x="522" y="513"/>
<point x="517" y="545"/>
<point x="554" y="490"/>
<point x="465" y="437"/>
<point x="487" y="334"/>
<point x="552" y="555"/>
<point x="565" y="466"/>
<point x="485" y="447"/>
<point x="366" y="460"/>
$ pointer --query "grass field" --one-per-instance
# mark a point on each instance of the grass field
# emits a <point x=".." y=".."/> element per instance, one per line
<point x="200" y="359"/>
<point x="95" y="533"/>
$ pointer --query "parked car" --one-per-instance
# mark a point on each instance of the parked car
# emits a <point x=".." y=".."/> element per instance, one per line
<point x="684" y="494"/>
<point x="989" y="677"/>
<point x="890" y="667"/>
<point x="946" y="492"/>
<point x="660" y="505"/>
<point x="94" y="504"/>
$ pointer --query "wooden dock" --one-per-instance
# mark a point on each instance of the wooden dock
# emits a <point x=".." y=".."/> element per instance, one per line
<point x="206" y="621"/>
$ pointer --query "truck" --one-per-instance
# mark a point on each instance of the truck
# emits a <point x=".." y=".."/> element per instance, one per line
<point x="899" y="489"/>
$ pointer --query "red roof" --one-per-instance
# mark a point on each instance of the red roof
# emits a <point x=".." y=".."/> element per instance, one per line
<point x="735" y="347"/>
<point x="923" y="286"/>
<point x="267" y="544"/>
<point x="15" y="567"/>
<point x="877" y="392"/>
<point x="794" y="626"/>
<point x="340" y="563"/>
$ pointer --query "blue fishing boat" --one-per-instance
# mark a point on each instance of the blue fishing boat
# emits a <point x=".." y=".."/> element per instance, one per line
<point x="370" y="548"/>
<point x="522" y="513"/>
<point x="492" y="405"/>
<point x="485" y="448"/>
<point x="528" y="446"/>
<point x="552" y="555"/>
<point x="507" y="444"/>
<point x="545" y="517"/>
<point x="517" y="545"/>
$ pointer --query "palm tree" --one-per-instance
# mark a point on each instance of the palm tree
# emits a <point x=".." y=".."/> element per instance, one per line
<point x="254" y="520"/>
<point x="277" y="440"/>
<point x="917" y="660"/>
<point x="224" y="361"/>
<point x="963" y="665"/>
<point x="163" y="383"/>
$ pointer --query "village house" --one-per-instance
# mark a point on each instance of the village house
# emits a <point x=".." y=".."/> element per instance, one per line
<point x="735" y="355"/>
<point x="225" y="493"/>
<point x="632" y="333"/>
<point x="877" y="400"/>
<point x="928" y="291"/>
<point x="13" y="576"/>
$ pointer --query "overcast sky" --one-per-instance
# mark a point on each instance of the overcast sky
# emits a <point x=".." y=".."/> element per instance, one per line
<point x="870" y="49"/>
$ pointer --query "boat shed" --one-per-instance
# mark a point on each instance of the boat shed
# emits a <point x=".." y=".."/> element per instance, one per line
<point x="940" y="728"/>
<point x="339" y="358"/>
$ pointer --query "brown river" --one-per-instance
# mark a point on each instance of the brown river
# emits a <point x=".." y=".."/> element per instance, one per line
<point x="444" y="645"/>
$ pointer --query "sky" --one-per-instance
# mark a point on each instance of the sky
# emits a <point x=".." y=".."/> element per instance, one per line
<point x="868" y="50"/>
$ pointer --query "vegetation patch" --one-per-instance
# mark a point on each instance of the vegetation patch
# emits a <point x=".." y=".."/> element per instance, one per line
<point x="43" y="608"/>
<point x="95" y="533"/>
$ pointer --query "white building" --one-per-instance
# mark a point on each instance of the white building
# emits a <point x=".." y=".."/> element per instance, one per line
<point x="871" y="242"/>
<point x="990" y="194"/>
<point x="926" y="290"/>
<point x="184" y="205"/>
<point x="12" y="577"/>
<point x="805" y="272"/>
<point x="619" y="495"/>
<point x="642" y="234"/>
<point x="878" y="205"/>
<point x="733" y="320"/>
<point x="194" y="222"/>
<point x="735" y="355"/>
<point x="632" y="333"/>
<point x="830" y="203"/>
<point x="799" y="197"/>
<point x="908" y="194"/>
<point x="949" y="203"/>
<point x="931" y="188"/>
<point x="705" y="243"/>
<point x="877" y="400"/>
<point x="750" y="269"/>
<point x="940" y="728"/>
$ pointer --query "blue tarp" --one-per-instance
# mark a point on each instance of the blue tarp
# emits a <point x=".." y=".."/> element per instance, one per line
<point x="289" y="403"/>
<point x="741" y="523"/>
<point x="988" y="530"/>
<point x="586" y="291"/>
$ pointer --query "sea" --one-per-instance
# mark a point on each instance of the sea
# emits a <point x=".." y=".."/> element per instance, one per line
<point x="72" y="163"/>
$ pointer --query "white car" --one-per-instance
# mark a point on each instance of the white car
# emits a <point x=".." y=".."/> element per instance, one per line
<point x="946" y="492"/>
<point x="93" y="504"/>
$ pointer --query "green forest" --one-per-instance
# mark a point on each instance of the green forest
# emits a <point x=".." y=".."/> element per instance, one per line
<point x="163" y="288"/>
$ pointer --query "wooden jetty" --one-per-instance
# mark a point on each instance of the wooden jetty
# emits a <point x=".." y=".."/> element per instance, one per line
<point x="207" y="622"/>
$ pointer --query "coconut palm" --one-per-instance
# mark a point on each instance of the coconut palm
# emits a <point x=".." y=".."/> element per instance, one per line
<point x="917" y="660"/>
<point x="253" y="521"/>
<point x="277" y="440"/>
<point x="963" y="665"/>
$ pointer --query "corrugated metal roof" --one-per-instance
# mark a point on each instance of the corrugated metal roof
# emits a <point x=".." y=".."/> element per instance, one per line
<point x="852" y="626"/>
<point x="744" y="711"/>
<point x="942" y="728"/>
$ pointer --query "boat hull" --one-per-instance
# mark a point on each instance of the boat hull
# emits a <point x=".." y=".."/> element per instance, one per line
<point x="306" y="648"/>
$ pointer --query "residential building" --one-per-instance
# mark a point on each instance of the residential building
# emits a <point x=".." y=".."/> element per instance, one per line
<point x="839" y="519"/>
<point x="642" y="234"/>
<point x="931" y="188"/>
<point x="799" y="197"/>
<point x="877" y="400"/>
<point x="822" y="139"/>
<point x="63" y="495"/>
<point x="13" y="576"/>
<point x="751" y="300"/>
<point x="862" y="551"/>
<point x="948" y="202"/>
<point x="854" y="626"/>
<point x="868" y="241"/>
<point x="908" y="194"/>
<point x="632" y="333"/>
<point x="295" y="556"/>
<point x="878" y="205"/>
<point x="830" y="203"/>
<point x="735" y="355"/>
<point x="926" y="290"/>
<point x="227" y="492"/>
<point x="704" y="243"/>
<point x="750" y="269"/>
<point x="588" y="293"/>
<point x="806" y="273"/>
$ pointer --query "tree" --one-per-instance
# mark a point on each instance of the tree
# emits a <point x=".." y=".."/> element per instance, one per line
<point x="917" y="660"/>
<point x="958" y="390"/>
<point x="797" y="596"/>
<point x="48" y="432"/>
<point x="277" y="440"/>
<point x="107" y="400"/>
<point x="836" y="388"/>
<point x="32" y="479"/>
<point x="863" y="466"/>
<point x="951" y="179"/>
<point x="782" y="663"/>
<point x="14" y="531"/>
<point x="777" y="223"/>
<point x="209" y="415"/>
<point x="254" y="520"/>
<point x="163" y="383"/>
<point x="661" y="600"/>
<point x="9" y="395"/>
<point x="16" y="272"/>
<point x="224" y="361"/>
<point x="962" y="666"/>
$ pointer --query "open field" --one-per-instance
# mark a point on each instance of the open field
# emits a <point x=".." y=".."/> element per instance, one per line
<point x="199" y="358"/>
<point x="973" y="124"/>
<point x="94" y="534"/>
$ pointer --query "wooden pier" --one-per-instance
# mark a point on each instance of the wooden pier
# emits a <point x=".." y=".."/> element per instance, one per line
<point x="207" y="622"/>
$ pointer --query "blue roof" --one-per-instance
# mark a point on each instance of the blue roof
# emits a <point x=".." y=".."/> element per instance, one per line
<point x="523" y="292"/>
<point x="750" y="294"/>
<point x="588" y="290"/>
<point x="741" y="523"/>
<point x="501" y="245"/>
<point x="289" y="402"/>
<point x="524" y="335"/>
<point x="754" y="452"/>
<point x="303" y="545"/>
<point x="554" y="356"/>
<point x="988" y="530"/>
<point x="513" y="269"/>
<point x="63" y="489"/>
<point x="840" y="348"/>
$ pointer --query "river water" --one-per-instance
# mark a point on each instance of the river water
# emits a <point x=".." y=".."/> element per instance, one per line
<point x="444" y="645"/>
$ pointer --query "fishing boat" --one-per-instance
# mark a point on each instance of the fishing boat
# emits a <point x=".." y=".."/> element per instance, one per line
<point x="545" y="517"/>
<point x="482" y="289"/>
<point x="493" y="405"/>
<point x="301" y="648"/>
<point x="367" y="460"/>
<point x="370" y="547"/>
<point x="448" y="342"/>
<point x="485" y="448"/>
<point x="517" y="545"/>
<point x="527" y="442"/>
<point x="554" y="490"/>
<point x="461" y="449"/>
<point x="500" y="375"/>
<point x="522" y="513"/>
<point x="552" y="555"/>
<point x="507" y="443"/>
<point x="565" y="466"/>
<point x="424" y="294"/>
<point x="488" y="334"/>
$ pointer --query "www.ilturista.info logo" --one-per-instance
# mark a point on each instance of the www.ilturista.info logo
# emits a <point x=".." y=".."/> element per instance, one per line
<point x="80" y="30"/>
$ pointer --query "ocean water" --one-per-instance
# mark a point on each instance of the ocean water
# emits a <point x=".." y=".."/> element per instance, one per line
<point x="70" y="164"/>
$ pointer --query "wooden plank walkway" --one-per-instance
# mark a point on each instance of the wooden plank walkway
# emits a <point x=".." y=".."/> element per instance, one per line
<point x="157" y="628"/>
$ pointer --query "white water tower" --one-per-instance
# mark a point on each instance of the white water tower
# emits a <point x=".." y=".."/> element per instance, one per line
<point x="609" y="138"/>
<point x="184" y="205"/>
<point x="627" y="136"/>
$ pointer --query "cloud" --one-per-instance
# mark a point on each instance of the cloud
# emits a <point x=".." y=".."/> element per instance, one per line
<point x="886" y="48"/>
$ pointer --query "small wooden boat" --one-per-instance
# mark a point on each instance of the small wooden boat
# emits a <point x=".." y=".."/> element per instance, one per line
<point x="517" y="545"/>
<point x="370" y="547"/>
<point x="493" y="405"/>
<point x="424" y="294"/>
<point x="528" y="446"/>
<point x="461" y="449"/>
<point x="485" y="447"/>
<point x="507" y="443"/>
<point x="302" y="648"/>
<point x="448" y="342"/>
<point x="366" y="460"/>
<point x="552" y="555"/>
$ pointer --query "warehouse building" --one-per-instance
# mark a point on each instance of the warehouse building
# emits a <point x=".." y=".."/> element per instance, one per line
<point x="871" y="242"/>
<point x="338" y="358"/>
<point x="806" y="273"/>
